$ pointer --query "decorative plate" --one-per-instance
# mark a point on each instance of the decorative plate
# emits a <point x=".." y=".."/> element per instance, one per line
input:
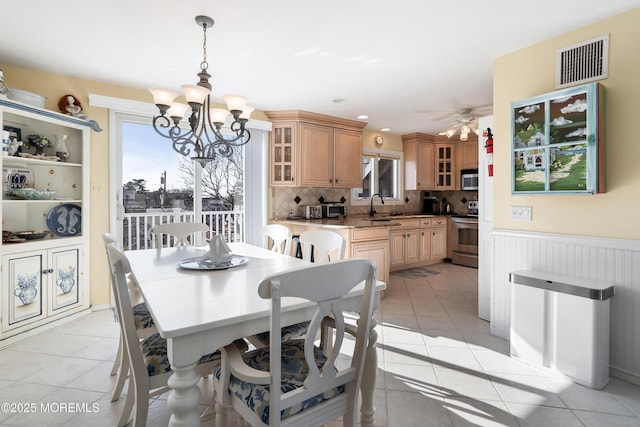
<point x="65" y="220"/>
<point x="195" y="264"/>
<point x="31" y="235"/>
<point x="32" y="193"/>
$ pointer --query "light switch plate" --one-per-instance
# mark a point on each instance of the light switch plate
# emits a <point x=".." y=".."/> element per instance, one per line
<point x="520" y="213"/>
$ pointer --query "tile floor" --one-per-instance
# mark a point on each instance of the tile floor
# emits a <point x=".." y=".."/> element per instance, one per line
<point x="438" y="366"/>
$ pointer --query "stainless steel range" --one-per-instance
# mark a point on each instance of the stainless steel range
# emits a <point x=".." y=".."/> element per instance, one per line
<point x="465" y="237"/>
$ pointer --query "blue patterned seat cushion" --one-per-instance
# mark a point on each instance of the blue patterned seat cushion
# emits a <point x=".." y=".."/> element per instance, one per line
<point x="154" y="354"/>
<point x="142" y="317"/>
<point x="288" y="333"/>
<point x="294" y="372"/>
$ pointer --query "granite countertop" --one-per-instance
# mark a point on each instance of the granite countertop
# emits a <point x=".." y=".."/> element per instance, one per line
<point x="352" y="221"/>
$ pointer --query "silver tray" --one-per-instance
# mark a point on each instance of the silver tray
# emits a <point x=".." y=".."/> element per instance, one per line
<point x="196" y="264"/>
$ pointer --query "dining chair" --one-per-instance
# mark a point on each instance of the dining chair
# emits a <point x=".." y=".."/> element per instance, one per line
<point x="280" y="237"/>
<point x="149" y="363"/>
<point x="295" y="382"/>
<point x="179" y="232"/>
<point x="143" y="323"/>
<point x="318" y="246"/>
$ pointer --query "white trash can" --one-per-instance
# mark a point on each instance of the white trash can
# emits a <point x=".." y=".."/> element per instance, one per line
<point x="563" y="323"/>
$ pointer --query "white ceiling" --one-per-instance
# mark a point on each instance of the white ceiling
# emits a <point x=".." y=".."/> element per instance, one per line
<point x="400" y="62"/>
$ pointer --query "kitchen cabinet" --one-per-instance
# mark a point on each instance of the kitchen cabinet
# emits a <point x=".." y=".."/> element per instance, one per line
<point x="405" y="243"/>
<point x="282" y="153"/>
<point x="372" y="243"/>
<point x="326" y="151"/>
<point x="38" y="285"/>
<point x="467" y="154"/>
<point x="46" y="257"/>
<point x="433" y="239"/>
<point x="445" y="166"/>
<point x="419" y="161"/>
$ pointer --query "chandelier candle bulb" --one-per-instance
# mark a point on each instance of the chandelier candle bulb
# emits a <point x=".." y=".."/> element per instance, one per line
<point x="218" y="116"/>
<point x="195" y="94"/>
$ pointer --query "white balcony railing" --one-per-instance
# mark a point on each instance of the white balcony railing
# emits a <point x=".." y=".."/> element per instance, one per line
<point x="136" y="226"/>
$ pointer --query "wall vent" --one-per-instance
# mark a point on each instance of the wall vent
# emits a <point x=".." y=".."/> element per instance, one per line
<point x="583" y="62"/>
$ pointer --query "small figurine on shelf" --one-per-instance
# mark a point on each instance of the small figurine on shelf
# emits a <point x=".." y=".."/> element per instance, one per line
<point x="37" y="141"/>
<point x="69" y="104"/>
<point x="14" y="146"/>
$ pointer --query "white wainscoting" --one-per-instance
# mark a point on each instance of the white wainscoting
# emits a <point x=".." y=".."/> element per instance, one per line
<point x="614" y="261"/>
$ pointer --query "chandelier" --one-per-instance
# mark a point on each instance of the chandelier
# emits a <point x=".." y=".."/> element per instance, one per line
<point x="203" y="138"/>
<point x="465" y="123"/>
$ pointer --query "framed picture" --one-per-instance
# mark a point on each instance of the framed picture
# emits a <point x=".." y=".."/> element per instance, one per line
<point x="13" y="132"/>
<point x="557" y="144"/>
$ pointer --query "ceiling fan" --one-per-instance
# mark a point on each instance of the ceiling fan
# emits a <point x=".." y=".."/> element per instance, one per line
<point x="465" y="122"/>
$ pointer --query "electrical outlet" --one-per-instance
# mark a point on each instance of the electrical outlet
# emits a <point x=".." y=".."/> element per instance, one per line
<point x="96" y="187"/>
<point x="520" y="213"/>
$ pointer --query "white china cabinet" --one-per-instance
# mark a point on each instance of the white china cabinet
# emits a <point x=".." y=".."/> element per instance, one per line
<point x="45" y="221"/>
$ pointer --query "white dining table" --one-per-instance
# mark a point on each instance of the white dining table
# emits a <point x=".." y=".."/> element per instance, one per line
<point x="198" y="312"/>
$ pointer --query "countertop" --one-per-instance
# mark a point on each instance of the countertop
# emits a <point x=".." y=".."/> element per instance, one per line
<point x="353" y="221"/>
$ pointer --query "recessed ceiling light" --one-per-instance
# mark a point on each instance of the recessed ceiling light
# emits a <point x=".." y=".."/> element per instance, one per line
<point x="363" y="117"/>
<point x="385" y="129"/>
<point x="339" y="100"/>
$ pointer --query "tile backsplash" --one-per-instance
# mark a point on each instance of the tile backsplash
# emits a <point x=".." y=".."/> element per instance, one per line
<point x="291" y="199"/>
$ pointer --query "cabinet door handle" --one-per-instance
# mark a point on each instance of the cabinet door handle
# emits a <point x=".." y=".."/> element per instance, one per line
<point x="330" y="180"/>
<point x="336" y="180"/>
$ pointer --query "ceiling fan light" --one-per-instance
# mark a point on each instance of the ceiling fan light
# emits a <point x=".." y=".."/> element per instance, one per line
<point x="450" y="132"/>
<point x="476" y="131"/>
<point x="464" y="136"/>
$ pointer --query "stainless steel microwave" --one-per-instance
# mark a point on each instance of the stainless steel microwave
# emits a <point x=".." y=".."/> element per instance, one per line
<point x="334" y="210"/>
<point x="469" y="179"/>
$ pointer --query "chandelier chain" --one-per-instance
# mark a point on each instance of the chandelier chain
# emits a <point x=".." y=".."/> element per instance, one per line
<point x="204" y="65"/>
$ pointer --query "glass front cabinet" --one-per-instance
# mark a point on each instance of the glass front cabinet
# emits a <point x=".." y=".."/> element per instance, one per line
<point x="45" y="219"/>
<point x="557" y="145"/>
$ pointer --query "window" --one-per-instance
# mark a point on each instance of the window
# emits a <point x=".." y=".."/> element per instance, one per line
<point x="381" y="173"/>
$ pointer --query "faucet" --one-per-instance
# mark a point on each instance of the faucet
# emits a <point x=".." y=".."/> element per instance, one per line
<point x="372" y="211"/>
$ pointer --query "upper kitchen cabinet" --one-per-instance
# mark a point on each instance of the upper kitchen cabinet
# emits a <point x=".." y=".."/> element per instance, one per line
<point x="419" y="160"/>
<point x="314" y="150"/>
<point x="445" y="166"/>
<point x="467" y="154"/>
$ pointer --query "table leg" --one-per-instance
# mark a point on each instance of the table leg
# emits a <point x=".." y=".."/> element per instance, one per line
<point x="367" y="410"/>
<point x="184" y="397"/>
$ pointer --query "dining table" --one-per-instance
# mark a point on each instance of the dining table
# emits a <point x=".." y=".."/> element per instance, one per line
<point x="199" y="311"/>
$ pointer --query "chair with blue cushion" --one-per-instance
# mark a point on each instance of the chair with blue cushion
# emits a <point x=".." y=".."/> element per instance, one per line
<point x="295" y="382"/>
<point x="148" y="361"/>
<point x="318" y="246"/>
<point x="143" y="322"/>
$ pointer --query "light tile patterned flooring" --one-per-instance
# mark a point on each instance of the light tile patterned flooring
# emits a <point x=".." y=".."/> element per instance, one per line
<point x="438" y="366"/>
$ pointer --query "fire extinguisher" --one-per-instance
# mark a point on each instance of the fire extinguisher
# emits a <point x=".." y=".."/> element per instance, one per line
<point x="489" y="147"/>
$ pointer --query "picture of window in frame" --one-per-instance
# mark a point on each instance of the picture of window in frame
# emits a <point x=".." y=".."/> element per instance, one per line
<point x="557" y="145"/>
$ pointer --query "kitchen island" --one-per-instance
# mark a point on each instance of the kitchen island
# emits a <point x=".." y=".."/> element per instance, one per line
<point x="393" y="242"/>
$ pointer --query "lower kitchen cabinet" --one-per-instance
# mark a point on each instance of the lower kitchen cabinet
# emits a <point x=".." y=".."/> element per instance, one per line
<point x="373" y="244"/>
<point x="417" y="242"/>
<point x="41" y="285"/>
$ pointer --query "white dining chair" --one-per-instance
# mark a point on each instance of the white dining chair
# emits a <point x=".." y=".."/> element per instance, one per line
<point x="143" y="323"/>
<point x="149" y="364"/>
<point x="321" y="246"/>
<point x="178" y="232"/>
<point x="318" y="246"/>
<point x="295" y="382"/>
<point x="277" y="237"/>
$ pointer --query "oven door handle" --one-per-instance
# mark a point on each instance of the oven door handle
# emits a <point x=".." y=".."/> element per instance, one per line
<point x="464" y="221"/>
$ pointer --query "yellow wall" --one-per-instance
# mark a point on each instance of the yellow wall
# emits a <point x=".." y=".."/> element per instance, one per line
<point x="530" y="72"/>
<point x="391" y="142"/>
<point x="53" y="86"/>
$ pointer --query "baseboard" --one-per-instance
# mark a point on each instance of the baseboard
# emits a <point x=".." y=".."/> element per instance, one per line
<point x="101" y="307"/>
<point x="621" y="374"/>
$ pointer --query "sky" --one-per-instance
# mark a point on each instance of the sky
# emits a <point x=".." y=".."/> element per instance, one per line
<point x="146" y="155"/>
